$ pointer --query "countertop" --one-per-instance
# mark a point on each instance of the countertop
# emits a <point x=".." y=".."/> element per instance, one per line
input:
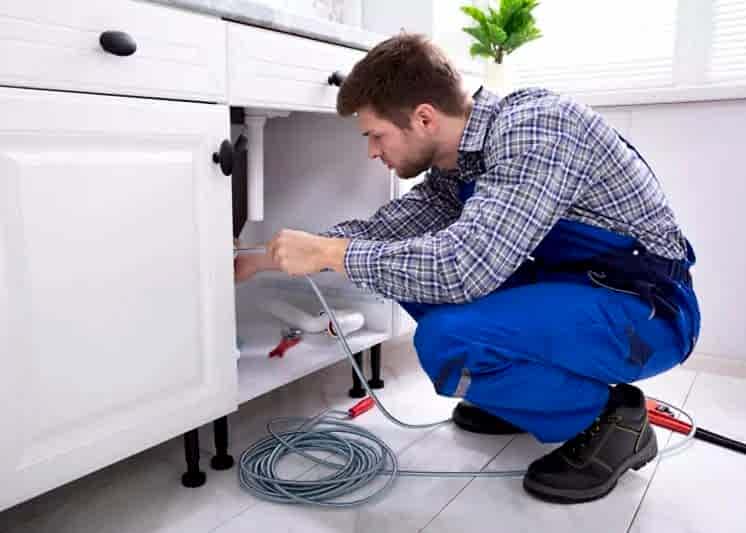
<point x="259" y="14"/>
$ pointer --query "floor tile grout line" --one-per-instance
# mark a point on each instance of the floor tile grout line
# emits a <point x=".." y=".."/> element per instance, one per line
<point x="257" y="501"/>
<point x="227" y="520"/>
<point x="419" y="439"/>
<point x="148" y="454"/>
<point x="658" y="463"/>
<point x="486" y="464"/>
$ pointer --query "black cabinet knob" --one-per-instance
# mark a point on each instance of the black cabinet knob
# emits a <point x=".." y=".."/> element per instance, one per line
<point x="336" y="78"/>
<point x="224" y="157"/>
<point x="118" y="43"/>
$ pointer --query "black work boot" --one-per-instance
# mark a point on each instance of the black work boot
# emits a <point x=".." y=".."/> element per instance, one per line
<point x="588" y="466"/>
<point x="469" y="417"/>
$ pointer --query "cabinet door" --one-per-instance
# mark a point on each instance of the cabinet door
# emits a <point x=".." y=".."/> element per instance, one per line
<point x="117" y="326"/>
<point x="281" y="71"/>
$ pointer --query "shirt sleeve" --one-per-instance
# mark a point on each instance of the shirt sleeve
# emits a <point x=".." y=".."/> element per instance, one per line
<point x="429" y="206"/>
<point x="515" y="204"/>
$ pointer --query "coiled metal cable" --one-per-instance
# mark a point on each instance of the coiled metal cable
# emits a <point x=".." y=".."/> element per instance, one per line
<point x="361" y="456"/>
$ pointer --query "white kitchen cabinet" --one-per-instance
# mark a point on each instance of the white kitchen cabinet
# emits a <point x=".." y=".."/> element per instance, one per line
<point x="117" y="326"/>
<point x="118" y="312"/>
<point x="55" y="45"/>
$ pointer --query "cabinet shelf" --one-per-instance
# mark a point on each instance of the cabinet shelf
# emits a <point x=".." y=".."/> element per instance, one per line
<point x="258" y="373"/>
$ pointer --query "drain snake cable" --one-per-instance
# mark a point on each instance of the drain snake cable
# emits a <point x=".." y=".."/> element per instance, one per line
<point x="364" y="456"/>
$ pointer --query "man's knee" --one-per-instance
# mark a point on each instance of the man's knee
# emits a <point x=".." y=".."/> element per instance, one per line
<point x="439" y="327"/>
<point x="427" y="337"/>
<point x="431" y="340"/>
<point x="443" y="348"/>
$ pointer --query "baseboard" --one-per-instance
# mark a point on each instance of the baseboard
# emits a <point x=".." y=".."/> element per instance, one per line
<point x="400" y="341"/>
<point x="712" y="364"/>
<point x="698" y="362"/>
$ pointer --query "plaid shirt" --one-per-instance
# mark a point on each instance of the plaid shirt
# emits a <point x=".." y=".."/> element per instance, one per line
<point x="535" y="157"/>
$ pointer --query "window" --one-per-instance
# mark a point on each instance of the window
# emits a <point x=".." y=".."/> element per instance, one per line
<point x="727" y="63"/>
<point x="663" y="46"/>
<point x="592" y="45"/>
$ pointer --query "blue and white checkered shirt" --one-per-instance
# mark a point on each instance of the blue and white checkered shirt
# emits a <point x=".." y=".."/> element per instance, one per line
<point x="535" y="157"/>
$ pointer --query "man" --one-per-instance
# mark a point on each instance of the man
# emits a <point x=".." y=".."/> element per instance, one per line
<point x="539" y="256"/>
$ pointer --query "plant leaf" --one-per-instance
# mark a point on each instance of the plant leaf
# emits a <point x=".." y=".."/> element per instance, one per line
<point x="480" y="35"/>
<point x="478" y="49"/>
<point x="507" y="9"/>
<point x="496" y="34"/>
<point x="475" y="13"/>
<point x="521" y="38"/>
<point x="516" y="15"/>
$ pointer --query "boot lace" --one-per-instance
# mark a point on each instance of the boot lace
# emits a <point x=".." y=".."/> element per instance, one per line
<point x="576" y="447"/>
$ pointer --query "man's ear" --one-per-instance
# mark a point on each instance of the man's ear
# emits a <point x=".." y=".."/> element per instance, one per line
<point x="424" y="115"/>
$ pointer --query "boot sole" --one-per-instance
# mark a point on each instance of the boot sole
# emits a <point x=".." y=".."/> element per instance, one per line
<point x="568" y="496"/>
<point x="481" y="430"/>
<point x="497" y="427"/>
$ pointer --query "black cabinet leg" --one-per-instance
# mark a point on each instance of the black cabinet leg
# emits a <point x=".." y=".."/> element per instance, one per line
<point x="375" y="381"/>
<point x="193" y="477"/>
<point x="222" y="459"/>
<point x="357" y="390"/>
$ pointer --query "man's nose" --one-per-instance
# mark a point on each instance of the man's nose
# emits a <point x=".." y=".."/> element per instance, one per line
<point x="373" y="150"/>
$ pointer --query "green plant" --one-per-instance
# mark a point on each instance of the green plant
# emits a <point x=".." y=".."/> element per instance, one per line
<point x="500" y="32"/>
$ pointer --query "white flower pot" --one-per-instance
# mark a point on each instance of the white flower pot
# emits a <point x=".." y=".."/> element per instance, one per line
<point x="497" y="78"/>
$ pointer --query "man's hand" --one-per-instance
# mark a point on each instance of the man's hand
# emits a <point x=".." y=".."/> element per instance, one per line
<point x="245" y="266"/>
<point x="298" y="252"/>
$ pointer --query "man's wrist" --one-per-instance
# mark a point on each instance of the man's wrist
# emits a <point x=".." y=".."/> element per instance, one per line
<point x="266" y="263"/>
<point x="335" y="254"/>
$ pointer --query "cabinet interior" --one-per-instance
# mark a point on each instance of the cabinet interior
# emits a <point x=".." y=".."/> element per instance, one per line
<point x="316" y="174"/>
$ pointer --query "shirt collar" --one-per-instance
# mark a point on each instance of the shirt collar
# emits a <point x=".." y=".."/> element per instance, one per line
<point x="472" y="139"/>
<point x="470" y="159"/>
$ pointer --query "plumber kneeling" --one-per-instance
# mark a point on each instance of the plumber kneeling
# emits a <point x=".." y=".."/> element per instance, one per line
<point x="539" y="256"/>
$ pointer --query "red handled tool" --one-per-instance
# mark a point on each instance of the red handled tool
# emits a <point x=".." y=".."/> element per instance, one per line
<point x="366" y="404"/>
<point x="290" y="337"/>
<point x="661" y="415"/>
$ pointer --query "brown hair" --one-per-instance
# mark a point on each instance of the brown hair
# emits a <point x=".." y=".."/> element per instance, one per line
<point x="399" y="74"/>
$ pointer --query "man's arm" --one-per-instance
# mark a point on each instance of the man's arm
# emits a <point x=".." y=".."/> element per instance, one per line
<point x="515" y="204"/>
<point x="430" y="206"/>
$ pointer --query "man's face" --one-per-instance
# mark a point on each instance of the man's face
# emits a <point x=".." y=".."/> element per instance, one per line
<point x="408" y="152"/>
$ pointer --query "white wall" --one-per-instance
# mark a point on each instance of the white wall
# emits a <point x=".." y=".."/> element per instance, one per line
<point x="697" y="150"/>
<point x="442" y="21"/>
<point x="389" y="17"/>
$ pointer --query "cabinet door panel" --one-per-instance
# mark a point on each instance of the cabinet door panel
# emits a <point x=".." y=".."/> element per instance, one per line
<point x="277" y="70"/>
<point x="55" y="45"/>
<point x="116" y="263"/>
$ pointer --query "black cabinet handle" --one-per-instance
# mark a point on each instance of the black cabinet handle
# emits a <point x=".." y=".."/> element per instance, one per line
<point x="118" y="43"/>
<point x="336" y="78"/>
<point x="224" y="157"/>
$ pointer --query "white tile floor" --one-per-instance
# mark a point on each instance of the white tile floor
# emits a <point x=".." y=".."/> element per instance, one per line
<point x="699" y="490"/>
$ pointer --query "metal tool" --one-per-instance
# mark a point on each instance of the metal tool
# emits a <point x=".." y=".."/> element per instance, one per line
<point x="250" y="250"/>
<point x="661" y="415"/>
<point x="290" y="337"/>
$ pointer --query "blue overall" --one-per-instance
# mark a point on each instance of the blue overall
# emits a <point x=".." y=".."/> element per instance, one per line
<point x="541" y="351"/>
